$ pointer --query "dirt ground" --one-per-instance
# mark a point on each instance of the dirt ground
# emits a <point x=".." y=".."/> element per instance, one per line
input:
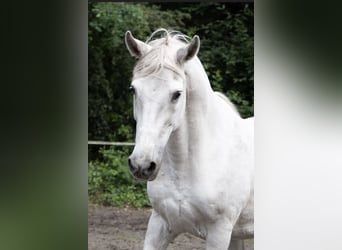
<point x="112" y="228"/>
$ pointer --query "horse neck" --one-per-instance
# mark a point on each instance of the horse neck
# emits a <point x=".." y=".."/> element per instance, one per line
<point x="199" y="90"/>
<point x="185" y="141"/>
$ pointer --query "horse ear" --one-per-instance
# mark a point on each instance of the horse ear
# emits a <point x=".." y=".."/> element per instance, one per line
<point x="135" y="47"/>
<point x="189" y="51"/>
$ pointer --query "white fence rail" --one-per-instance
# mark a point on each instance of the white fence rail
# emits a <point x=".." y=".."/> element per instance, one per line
<point x="111" y="143"/>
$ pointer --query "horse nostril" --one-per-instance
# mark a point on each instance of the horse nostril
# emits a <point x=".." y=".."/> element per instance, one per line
<point x="152" y="167"/>
<point x="131" y="166"/>
<point x="148" y="171"/>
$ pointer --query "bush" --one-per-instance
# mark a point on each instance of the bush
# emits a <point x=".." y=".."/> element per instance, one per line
<point x="110" y="183"/>
<point x="227" y="37"/>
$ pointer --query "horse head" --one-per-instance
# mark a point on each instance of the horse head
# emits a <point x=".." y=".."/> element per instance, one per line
<point x="159" y="92"/>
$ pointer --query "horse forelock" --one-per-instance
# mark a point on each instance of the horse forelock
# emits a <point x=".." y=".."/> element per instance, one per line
<point x="162" y="54"/>
<point x="166" y="35"/>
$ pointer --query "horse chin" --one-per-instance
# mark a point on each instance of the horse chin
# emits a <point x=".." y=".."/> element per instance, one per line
<point x="139" y="176"/>
<point x="152" y="177"/>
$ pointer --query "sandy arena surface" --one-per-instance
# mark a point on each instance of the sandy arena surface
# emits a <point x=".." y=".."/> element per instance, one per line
<point x="112" y="228"/>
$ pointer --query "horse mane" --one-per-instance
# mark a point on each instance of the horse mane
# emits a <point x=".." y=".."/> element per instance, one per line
<point x="162" y="41"/>
<point x="228" y="101"/>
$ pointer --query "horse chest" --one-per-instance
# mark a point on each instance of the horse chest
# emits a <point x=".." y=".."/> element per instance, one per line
<point x="182" y="209"/>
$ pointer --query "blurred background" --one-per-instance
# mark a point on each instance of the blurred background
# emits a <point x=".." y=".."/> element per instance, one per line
<point x="226" y="31"/>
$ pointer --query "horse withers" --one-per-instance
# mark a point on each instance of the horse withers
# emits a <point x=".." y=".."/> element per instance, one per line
<point x="191" y="145"/>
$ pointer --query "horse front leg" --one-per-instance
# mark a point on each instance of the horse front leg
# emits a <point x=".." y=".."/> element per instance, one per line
<point x="158" y="235"/>
<point x="218" y="236"/>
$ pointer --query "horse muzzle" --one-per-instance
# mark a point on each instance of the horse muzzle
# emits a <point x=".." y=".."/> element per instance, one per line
<point x="146" y="170"/>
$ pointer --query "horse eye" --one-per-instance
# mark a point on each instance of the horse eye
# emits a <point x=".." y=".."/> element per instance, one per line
<point x="175" y="96"/>
<point x="132" y="89"/>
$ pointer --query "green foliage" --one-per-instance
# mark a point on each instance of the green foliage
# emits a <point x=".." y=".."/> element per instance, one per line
<point x="110" y="183"/>
<point x="226" y="31"/>
<point x="227" y="47"/>
<point x="110" y="66"/>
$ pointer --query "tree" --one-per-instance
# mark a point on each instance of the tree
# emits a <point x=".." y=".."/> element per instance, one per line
<point x="226" y="32"/>
<point x="227" y="47"/>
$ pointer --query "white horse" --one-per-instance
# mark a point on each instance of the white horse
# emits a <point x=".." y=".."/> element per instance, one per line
<point x="192" y="147"/>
